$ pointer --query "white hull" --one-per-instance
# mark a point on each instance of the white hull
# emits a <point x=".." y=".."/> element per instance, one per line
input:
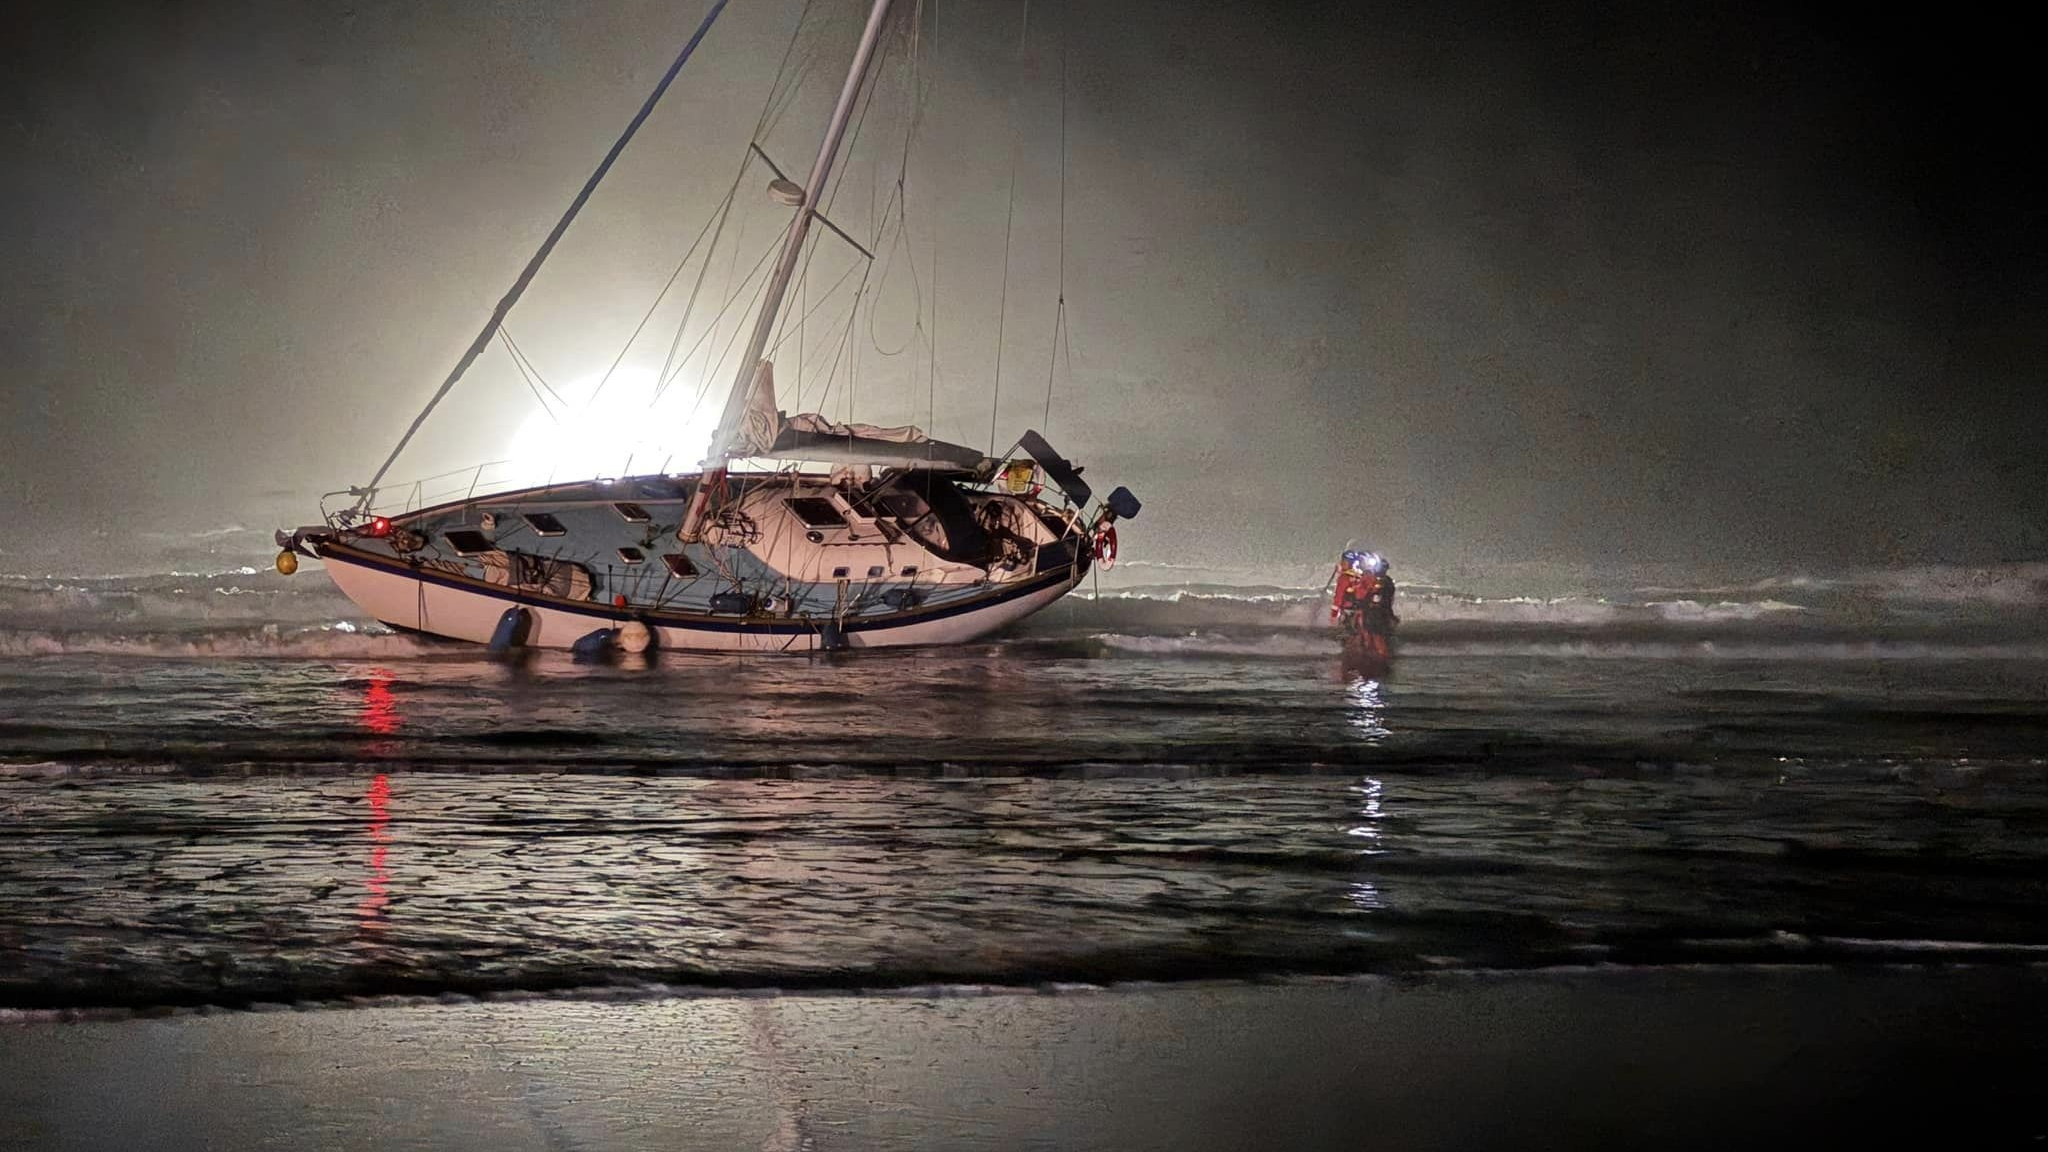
<point x="473" y="614"/>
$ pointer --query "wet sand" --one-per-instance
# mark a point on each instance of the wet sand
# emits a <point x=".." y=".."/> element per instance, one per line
<point x="1692" y="1057"/>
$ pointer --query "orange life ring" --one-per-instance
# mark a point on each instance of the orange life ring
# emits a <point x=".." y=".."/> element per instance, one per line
<point x="1105" y="545"/>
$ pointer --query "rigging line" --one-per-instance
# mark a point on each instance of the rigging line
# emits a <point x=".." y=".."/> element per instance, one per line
<point x="932" y="338"/>
<point x="1066" y="335"/>
<point x="528" y="366"/>
<point x="712" y="329"/>
<point x="900" y="237"/>
<point x="1060" y="330"/>
<point x="521" y="368"/>
<point x="931" y="379"/>
<point x="822" y="301"/>
<point x="860" y="296"/>
<point x="918" y="83"/>
<point x="718" y="368"/>
<point x="547" y="246"/>
<point x="837" y="337"/>
<point x="761" y="122"/>
<point x="723" y="214"/>
<point x="878" y="212"/>
<point x="531" y="386"/>
<point x="1059" y="325"/>
<point x="732" y="266"/>
<point x="840" y="349"/>
<point x="660" y="296"/>
<point x="853" y="353"/>
<point x="785" y="99"/>
<point x="803" y="295"/>
<point x="533" y="370"/>
<point x="520" y="365"/>
<point x="897" y="206"/>
<point x="898" y="200"/>
<point x="1009" y="221"/>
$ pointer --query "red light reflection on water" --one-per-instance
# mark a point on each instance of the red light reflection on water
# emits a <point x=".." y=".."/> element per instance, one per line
<point x="371" y="910"/>
<point x="380" y="707"/>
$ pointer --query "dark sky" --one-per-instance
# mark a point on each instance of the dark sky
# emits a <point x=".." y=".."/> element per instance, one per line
<point x="1605" y="283"/>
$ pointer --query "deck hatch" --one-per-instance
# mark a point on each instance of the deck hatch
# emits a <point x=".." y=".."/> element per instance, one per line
<point x="816" y="512"/>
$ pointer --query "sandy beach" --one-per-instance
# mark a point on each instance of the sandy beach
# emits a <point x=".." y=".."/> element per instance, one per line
<point x="1695" y="1057"/>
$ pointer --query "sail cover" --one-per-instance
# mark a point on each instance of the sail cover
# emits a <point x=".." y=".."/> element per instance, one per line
<point x="767" y="433"/>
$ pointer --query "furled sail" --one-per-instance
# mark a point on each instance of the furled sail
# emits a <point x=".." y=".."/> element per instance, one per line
<point x="760" y="421"/>
<point x="765" y="432"/>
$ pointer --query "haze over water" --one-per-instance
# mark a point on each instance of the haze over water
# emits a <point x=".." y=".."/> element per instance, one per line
<point x="1686" y="362"/>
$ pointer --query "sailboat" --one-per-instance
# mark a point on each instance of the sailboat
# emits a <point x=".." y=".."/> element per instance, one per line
<point x="797" y="533"/>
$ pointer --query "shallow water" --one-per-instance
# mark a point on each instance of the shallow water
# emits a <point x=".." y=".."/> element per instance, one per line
<point x="210" y="808"/>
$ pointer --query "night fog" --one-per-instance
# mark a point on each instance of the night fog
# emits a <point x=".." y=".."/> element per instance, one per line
<point x="1484" y="285"/>
<point x="1549" y="646"/>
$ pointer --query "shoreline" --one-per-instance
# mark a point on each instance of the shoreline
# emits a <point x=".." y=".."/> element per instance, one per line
<point x="2017" y="958"/>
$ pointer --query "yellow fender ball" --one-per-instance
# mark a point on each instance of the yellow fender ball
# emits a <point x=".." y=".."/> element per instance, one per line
<point x="287" y="562"/>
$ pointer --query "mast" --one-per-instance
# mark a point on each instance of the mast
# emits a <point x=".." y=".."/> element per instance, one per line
<point x="793" y="241"/>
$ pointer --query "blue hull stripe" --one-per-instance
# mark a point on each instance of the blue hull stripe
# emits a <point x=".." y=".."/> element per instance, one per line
<point x="335" y="553"/>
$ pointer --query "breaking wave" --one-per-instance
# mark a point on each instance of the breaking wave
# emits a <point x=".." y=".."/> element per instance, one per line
<point x="342" y="640"/>
<point x="1278" y="647"/>
<point x="1284" y="646"/>
<point x="1594" y="610"/>
<point x="223" y="532"/>
<point x="1309" y="608"/>
<point x="1996" y="585"/>
<point x="1593" y="648"/>
<point x="1915" y="613"/>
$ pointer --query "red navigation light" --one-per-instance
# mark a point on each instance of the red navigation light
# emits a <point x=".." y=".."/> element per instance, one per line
<point x="380" y="527"/>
